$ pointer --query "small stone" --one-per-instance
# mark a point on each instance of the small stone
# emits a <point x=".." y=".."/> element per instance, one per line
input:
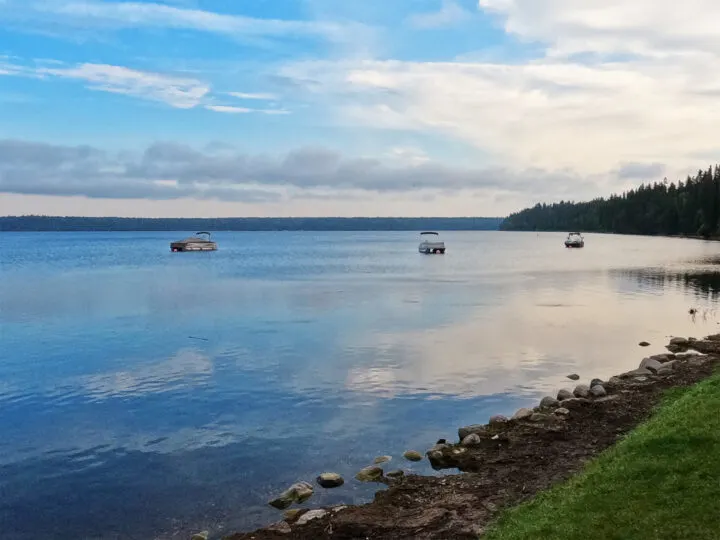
<point x="297" y="493"/>
<point x="412" y="455"/>
<point x="549" y="403"/>
<point x="598" y="391"/>
<point x="370" y="474"/>
<point x="574" y="377"/>
<point x="649" y="363"/>
<point x="595" y="382"/>
<point x="281" y="527"/>
<point x="330" y="480"/>
<point x="575" y="403"/>
<point x="562" y="411"/>
<point x="472" y="440"/>
<point x="644" y="344"/>
<point x="538" y="417"/>
<point x="467" y="430"/>
<point x="581" y="391"/>
<point x="564" y="394"/>
<point x="396" y="474"/>
<point x="522" y="414"/>
<point x="497" y="419"/>
<point x="290" y="515"/>
<point x="200" y="536"/>
<point x="310" y="515"/>
<point x="381" y="459"/>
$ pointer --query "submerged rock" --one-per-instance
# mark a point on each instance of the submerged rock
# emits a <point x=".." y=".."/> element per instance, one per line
<point x="200" y="536"/>
<point x="574" y="377"/>
<point x="598" y="391"/>
<point x="395" y="474"/>
<point x="582" y="391"/>
<point x="498" y="419"/>
<point x="472" y="440"/>
<point x="549" y="403"/>
<point x="644" y="344"/>
<point x="290" y="515"/>
<point x="370" y="474"/>
<point x="522" y="414"/>
<point x="475" y="428"/>
<point x="382" y="459"/>
<point x="412" y="455"/>
<point x="564" y="394"/>
<point x="330" y="480"/>
<point x="310" y="515"/>
<point x="297" y="493"/>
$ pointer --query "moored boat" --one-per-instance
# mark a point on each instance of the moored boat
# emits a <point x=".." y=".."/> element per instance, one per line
<point x="430" y="243"/>
<point x="200" y="242"/>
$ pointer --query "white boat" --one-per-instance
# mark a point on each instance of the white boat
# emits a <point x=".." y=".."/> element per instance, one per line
<point x="574" y="240"/>
<point x="200" y="242"/>
<point x="430" y="243"/>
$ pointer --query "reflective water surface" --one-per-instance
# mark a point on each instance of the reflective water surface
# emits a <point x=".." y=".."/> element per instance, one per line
<point x="145" y="394"/>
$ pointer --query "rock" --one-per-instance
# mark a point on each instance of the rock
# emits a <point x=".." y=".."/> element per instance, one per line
<point x="636" y="373"/>
<point x="310" y="515"/>
<point x="607" y="398"/>
<point x="595" y="382"/>
<point x="200" y="536"/>
<point x="649" y="363"/>
<point x="574" y="377"/>
<point x="412" y="455"/>
<point x="564" y="394"/>
<point x="337" y="509"/>
<point x="290" y="515"/>
<point x="679" y="341"/>
<point x="598" y="391"/>
<point x="562" y="411"/>
<point x="522" y="414"/>
<point x="370" y="474"/>
<point x="497" y="419"/>
<point x="644" y="344"/>
<point x="581" y="391"/>
<point x="381" y="459"/>
<point x="663" y="371"/>
<point x="398" y="473"/>
<point x="663" y="357"/>
<point x="297" y="493"/>
<point x="615" y="381"/>
<point x="549" y="403"/>
<point x="330" y="480"/>
<point x="281" y="527"/>
<point x="575" y="403"/>
<point x="467" y="430"/>
<point x="472" y="440"/>
<point x="538" y="417"/>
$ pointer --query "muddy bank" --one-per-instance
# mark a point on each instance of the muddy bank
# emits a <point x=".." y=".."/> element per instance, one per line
<point x="507" y="461"/>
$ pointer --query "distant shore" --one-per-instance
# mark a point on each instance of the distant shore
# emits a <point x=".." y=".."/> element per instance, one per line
<point x="507" y="461"/>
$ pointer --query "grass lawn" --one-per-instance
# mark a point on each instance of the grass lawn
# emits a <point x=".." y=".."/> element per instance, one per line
<point x="662" y="482"/>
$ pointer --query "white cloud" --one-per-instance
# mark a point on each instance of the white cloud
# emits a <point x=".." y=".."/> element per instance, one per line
<point x="228" y="109"/>
<point x="182" y="93"/>
<point x="448" y="15"/>
<point x="258" y="96"/>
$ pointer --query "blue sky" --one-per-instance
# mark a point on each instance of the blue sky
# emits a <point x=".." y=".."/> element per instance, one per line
<point x="346" y="107"/>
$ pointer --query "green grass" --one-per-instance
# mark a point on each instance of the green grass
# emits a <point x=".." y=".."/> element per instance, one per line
<point x="662" y="482"/>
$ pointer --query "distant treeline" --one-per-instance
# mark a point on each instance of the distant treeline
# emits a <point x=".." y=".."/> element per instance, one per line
<point x="50" y="223"/>
<point x="689" y="208"/>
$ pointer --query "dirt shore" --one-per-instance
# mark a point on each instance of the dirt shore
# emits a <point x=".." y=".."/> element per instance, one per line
<point x="511" y="461"/>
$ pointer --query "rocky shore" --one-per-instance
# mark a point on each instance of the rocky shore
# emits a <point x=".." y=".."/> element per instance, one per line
<point x="505" y="461"/>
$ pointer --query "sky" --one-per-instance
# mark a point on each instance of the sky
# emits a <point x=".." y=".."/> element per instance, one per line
<point x="201" y="108"/>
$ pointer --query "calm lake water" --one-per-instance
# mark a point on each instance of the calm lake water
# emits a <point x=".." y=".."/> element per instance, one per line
<point x="319" y="351"/>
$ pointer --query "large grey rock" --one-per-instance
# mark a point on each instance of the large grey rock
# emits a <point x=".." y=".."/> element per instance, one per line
<point x="310" y="515"/>
<point x="562" y="411"/>
<point x="297" y="493"/>
<point x="549" y="403"/>
<point x="640" y="372"/>
<point x="498" y="419"/>
<point x="382" y="459"/>
<point x="472" y="440"/>
<point x="651" y="364"/>
<point x="564" y="394"/>
<point x="663" y="357"/>
<point x="574" y="377"/>
<point x="370" y="474"/>
<point x="281" y="527"/>
<point x="475" y="428"/>
<point x="330" y="480"/>
<point x="598" y="391"/>
<point x="522" y="414"/>
<point x="575" y="403"/>
<point x="595" y="382"/>
<point x="679" y="341"/>
<point x="581" y="391"/>
<point x="412" y="455"/>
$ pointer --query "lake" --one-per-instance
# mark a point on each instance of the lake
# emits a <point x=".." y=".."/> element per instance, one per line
<point x="148" y="394"/>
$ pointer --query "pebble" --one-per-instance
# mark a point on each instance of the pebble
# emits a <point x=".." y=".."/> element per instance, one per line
<point x="574" y="377"/>
<point x="412" y="455"/>
<point x="498" y="419"/>
<point x="549" y="402"/>
<point x="598" y="391"/>
<point x="472" y="440"/>
<point x="330" y="480"/>
<point x="370" y="474"/>
<point x="310" y="515"/>
<point x="581" y="391"/>
<point x="522" y="414"/>
<point x="382" y="459"/>
<point x="564" y="394"/>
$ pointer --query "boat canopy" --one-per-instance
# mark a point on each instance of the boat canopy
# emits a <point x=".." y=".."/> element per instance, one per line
<point x="203" y="233"/>
<point x="429" y="232"/>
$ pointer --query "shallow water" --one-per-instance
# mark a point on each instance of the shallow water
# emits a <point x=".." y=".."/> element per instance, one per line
<point x="145" y="394"/>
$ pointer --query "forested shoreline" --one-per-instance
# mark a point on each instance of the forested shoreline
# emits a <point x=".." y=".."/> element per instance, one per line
<point x="69" y="224"/>
<point x="688" y="208"/>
